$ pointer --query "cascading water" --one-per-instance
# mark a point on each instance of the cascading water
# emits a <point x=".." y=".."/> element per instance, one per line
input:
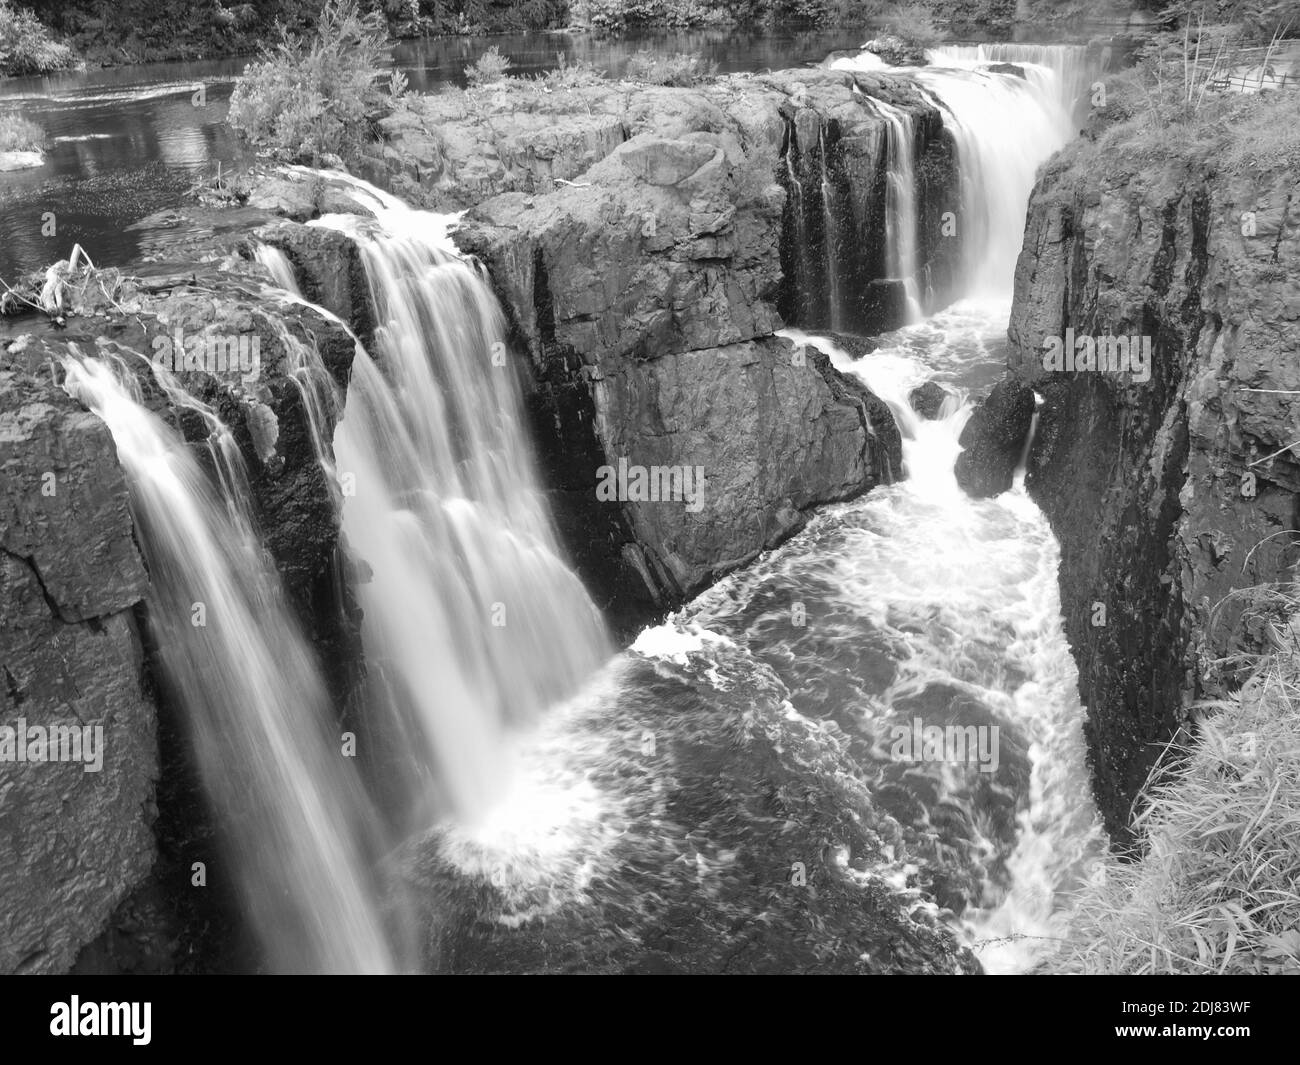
<point x="1072" y="68"/>
<point x="237" y="664"/>
<point x="473" y="623"/>
<point x="1005" y="127"/>
<point x="833" y="236"/>
<point x="900" y="204"/>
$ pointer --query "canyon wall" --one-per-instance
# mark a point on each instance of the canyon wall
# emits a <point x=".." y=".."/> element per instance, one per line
<point x="1170" y="496"/>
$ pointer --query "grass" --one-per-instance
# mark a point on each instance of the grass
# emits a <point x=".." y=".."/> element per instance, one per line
<point x="1156" y="112"/>
<point x="1216" y="889"/>
<point x="679" y="69"/>
<point x="19" y="135"/>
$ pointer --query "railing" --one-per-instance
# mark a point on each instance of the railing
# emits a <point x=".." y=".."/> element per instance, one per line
<point x="1255" y="69"/>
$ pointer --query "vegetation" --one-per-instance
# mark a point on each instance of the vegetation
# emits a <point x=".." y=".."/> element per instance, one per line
<point x="914" y="24"/>
<point x="19" y="135"/>
<point x="1173" y="105"/>
<point x="490" y="68"/>
<point x="311" y="98"/>
<point x="26" y="46"/>
<point x="677" y="69"/>
<point x="1216" y="890"/>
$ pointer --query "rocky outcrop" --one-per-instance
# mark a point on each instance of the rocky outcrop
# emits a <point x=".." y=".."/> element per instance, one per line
<point x="993" y="440"/>
<point x="896" y="51"/>
<point x="641" y="255"/>
<point x="1171" y="486"/>
<point x="927" y="399"/>
<point x="74" y="834"/>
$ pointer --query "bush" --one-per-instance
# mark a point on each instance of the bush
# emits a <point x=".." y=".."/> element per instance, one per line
<point x="678" y="69"/>
<point x="490" y="68"/>
<point x="914" y="24"/>
<point x="19" y="135"/>
<point x="310" y="98"/>
<point x="577" y="75"/>
<point x="26" y="46"/>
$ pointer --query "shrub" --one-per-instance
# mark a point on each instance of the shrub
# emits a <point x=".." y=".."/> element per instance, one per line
<point x="19" y="135"/>
<point x="309" y="98"/>
<point x="490" y="68"/>
<point x="26" y="46"/>
<point x="914" y="24"/>
<point x="678" y="69"/>
<point x="578" y="75"/>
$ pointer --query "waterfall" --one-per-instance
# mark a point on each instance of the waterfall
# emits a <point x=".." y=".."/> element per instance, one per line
<point x="1004" y="127"/>
<point x="830" y="226"/>
<point x="1071" y="69"/>
<point x="473" y="622"/>
<point x="900" y="204"/>
<point x="249" y="687"/>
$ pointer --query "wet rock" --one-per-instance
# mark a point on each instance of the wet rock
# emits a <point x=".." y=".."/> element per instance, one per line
<point x="73" y="842"/>
<point x="994" y="440"/>
<point x="927" y="400"/>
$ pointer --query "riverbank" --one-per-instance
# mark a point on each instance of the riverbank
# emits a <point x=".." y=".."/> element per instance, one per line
<point x="146" y="31"/>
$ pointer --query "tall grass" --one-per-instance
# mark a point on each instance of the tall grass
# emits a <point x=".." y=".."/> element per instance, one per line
<point x="19" y="135"/>
<point x="1218" y="887"/>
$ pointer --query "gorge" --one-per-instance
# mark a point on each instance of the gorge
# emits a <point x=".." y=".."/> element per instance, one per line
<point x="452" y="708"/>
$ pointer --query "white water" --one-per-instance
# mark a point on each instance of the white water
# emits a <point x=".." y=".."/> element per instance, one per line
<point x="978" y="579"/>
<point x="900" y="204"/>
<point x="268" y="753"/>
<point x="1072" y="72"/>
<point x="473" y="622"/>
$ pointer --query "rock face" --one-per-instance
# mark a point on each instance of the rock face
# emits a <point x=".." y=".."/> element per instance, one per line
<point x="74" y="839"/>
<point x="994" y="439"/>
<point x="1171" y="486"/>
<point x="647" y="243"/>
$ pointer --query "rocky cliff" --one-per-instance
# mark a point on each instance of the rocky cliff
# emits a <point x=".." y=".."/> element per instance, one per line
<point x="647" y="243"/>
<point x="1171" y="487"/>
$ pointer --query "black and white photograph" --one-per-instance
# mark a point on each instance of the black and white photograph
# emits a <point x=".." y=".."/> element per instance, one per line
<point x="650" y="487"/>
